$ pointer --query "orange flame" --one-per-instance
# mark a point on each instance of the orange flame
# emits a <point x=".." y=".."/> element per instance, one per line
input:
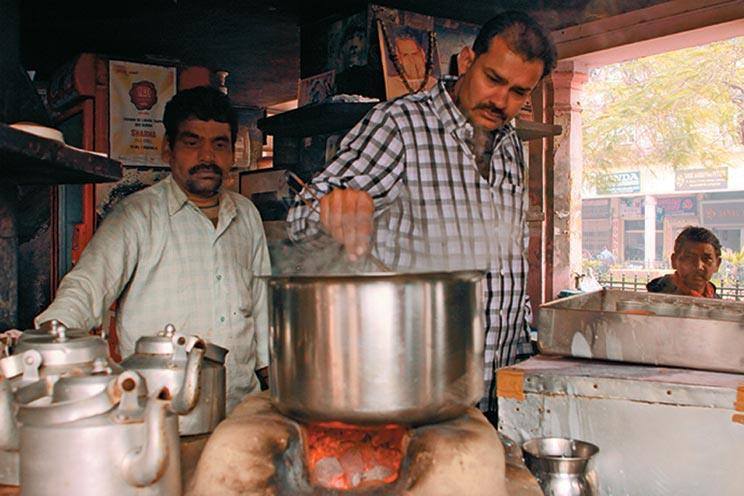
<point x="343" y="457"/>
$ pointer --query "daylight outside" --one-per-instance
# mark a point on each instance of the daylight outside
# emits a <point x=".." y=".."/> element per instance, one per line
<point x="663" y="146"/>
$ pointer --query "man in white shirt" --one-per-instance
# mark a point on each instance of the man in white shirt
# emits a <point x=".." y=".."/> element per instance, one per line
<point x="184" y="251"/>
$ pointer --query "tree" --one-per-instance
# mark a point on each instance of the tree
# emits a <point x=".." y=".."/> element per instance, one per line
<point x="682" y="108"/>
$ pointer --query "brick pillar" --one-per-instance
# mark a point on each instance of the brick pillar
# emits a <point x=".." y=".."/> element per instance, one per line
<point x="567" y="82"/>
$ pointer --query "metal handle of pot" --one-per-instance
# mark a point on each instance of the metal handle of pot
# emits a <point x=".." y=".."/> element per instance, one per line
<point x="145" y="465"/>
<point x="27" y="363"/>
<point x="188" y="395"/>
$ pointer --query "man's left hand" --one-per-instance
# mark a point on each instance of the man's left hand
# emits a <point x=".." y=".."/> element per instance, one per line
<point x="263" y="378"/>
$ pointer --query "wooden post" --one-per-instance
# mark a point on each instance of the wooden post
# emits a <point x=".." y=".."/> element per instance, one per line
<point x="536" y="207"/>
<point x="566" y="180"/>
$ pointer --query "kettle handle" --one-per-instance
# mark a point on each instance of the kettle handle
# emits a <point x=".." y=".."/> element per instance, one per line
<point x="145" y="465"/>
<point x="188" y="395"/>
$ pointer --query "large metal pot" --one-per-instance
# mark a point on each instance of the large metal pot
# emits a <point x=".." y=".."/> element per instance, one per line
<point x="376" y="348"/>
<point x="193" y="372"/>
<point x="95" y="435"/>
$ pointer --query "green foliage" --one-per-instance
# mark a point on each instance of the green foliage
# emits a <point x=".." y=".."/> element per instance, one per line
<point x="681" y="108"/>
<point x="731" y="271"/>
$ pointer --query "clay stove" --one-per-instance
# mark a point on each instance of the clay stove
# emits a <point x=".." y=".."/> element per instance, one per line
<point x="258" y="451"/>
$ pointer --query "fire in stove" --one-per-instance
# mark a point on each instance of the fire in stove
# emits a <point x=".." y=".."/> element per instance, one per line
<point x="257" y="451"/>
<point x="345" y="457"/>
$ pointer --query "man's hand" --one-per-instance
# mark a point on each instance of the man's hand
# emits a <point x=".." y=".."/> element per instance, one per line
<point x="263" y="378"/>
<point x="347" y="214"/>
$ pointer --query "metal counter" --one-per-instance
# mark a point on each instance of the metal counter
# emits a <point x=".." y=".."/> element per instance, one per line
<point x="645" y="328"/>
<point x="660" y="431"/>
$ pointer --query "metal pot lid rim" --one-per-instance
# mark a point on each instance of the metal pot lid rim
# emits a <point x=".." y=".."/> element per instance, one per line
<point x="375" y="276"/>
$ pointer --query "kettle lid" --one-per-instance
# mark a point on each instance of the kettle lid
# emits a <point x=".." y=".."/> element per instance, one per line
<point x="63" y="346"/>
<point x="160" y="344"/>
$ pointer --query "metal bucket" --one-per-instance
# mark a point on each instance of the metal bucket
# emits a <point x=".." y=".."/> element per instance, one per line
<point x="376" y="348"/>
<point x="559" y="464"/>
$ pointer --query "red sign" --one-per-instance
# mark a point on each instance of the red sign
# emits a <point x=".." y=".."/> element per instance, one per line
<point x="678" y="205"/>
<point x="143" y="95"/>
<point x="724" y="213"/>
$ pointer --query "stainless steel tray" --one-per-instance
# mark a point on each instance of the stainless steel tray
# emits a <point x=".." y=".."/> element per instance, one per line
<point x="656" y="329"/>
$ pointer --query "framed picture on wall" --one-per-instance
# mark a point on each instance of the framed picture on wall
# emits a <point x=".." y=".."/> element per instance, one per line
<point x="410" y="62"/>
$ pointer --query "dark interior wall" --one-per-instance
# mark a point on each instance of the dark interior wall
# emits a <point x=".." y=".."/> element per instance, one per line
<point x="258" y="42"/>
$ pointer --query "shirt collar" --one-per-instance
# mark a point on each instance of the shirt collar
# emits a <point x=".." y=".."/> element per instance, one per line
<point x="176" y="197"/>
<point x="451" y="116"/>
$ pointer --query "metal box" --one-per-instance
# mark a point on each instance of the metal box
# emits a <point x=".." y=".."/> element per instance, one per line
<point x="660" y="431"/>
<point x="655" y="329"/>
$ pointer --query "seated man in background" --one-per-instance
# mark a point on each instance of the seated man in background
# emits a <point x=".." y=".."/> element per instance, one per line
<point x="185" y="251"/>
<point x="696" y="257"/>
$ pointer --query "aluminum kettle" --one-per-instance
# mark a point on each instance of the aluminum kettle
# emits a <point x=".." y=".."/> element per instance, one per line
<point x="94" y="435"/>
<point x="191" y="370"/>
<point x="59" y="352"/>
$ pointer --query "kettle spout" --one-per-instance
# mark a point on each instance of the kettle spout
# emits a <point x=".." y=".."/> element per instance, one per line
<point x="8" y="426"/>
<point x="188" y="395"/>
<point x="146" y="465"/>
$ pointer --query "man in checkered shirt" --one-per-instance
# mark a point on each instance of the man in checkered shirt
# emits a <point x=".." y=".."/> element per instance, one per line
<point x="436" y="180"/>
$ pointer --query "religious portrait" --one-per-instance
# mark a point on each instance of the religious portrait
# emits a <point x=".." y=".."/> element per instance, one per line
<point x="410" y="61"/>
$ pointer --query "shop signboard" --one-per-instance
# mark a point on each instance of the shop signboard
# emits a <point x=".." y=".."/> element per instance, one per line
<point x="677" y="205"/>
<point x="619" y="183"/>
<point x="723" y="213"/>
<point x="701" y="179"/>
<point x="595" y="209"/>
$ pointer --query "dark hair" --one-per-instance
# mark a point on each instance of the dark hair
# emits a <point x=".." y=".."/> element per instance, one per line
<point x="697" y="235"/>
<point x="202" y="102"/>
<point x="523" y="35"/>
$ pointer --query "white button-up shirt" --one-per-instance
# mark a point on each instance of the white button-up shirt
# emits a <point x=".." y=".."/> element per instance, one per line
<point x="167" y="263"/>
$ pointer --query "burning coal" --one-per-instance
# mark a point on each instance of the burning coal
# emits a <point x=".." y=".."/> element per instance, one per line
<point x="344" y="457"/>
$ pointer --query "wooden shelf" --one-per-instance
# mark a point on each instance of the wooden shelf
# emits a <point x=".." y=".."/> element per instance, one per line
<point x="29" y="159"/>
<point x="326" y="118"/>
<point x="311" y="120"/>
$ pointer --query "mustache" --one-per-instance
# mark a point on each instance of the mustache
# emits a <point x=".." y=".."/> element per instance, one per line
<point x="492" y="108"/>
<point x="205" y="167"/>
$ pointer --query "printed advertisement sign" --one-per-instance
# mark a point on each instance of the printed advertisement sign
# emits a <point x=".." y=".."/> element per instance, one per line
<point x="723" y="214"/>
<point x="137" y="97"/>
<point x="701" y="179"/>
<point x="620" y="183"/>
<point x="678" y="205"/>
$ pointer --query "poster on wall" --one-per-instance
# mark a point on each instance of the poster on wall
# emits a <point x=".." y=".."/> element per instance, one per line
<point x="410" y="61"/>
<point x="452" y="37"/>
<point x="316" y="88"/>
<point x="347" y="43"/>
<point x="137" y="97"/>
